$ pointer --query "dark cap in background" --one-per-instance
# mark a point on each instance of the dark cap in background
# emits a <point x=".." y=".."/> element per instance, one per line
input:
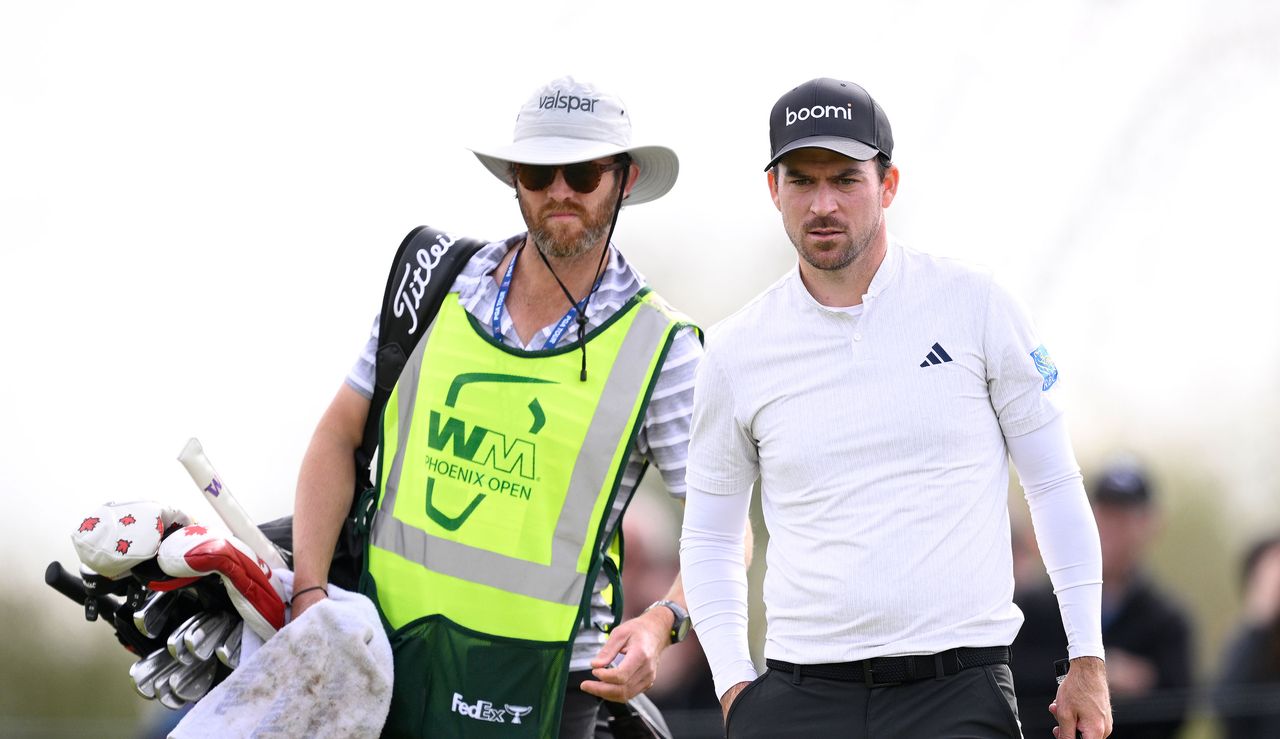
<point x="829" y="114"/>
<point x="1121" y="484"/>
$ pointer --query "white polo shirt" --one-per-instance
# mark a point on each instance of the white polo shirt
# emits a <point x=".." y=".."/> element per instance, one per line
<point x="879" y="441"/>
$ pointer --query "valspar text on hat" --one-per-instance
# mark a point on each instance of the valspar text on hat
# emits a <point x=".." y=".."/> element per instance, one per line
<point x="568" y="102"/>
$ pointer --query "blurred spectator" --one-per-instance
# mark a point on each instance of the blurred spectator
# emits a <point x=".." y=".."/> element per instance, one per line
<point x="1028" y="568"/>
<point x="1248" y="694"/>
<point x="1147" y="634"/>
<point x="652" y="551"/>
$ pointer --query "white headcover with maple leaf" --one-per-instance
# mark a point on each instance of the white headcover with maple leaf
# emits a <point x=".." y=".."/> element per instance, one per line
<point x="117" y="536"/>
<point x="254" y="589"/>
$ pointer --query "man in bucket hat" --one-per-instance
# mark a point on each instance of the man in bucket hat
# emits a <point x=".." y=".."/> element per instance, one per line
<point x="511" y="445"/>
<point x="876" y="393"/>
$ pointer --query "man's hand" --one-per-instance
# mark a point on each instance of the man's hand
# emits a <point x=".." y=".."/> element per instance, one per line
<point x="641" y="640"/>
<point x="730" y="695"/>
<point x="305" y="601"/>
<point x="1083" y="704"/>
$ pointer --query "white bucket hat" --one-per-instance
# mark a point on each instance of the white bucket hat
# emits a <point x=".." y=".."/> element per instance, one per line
<point x="567" y="121"/>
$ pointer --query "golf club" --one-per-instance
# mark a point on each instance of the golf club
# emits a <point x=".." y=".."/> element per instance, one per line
<point x="192" y="682"/>
<point x="204" y="637"/>
<point x="175" y="644"/>
<point x="151" y="618"/>
<point x="144" y="672"/>
<point x="160" y="681"/>
<point x="229" y="651"/>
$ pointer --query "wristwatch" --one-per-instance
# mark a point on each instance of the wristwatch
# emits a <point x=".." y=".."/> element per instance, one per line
<point x="680" y="627"/>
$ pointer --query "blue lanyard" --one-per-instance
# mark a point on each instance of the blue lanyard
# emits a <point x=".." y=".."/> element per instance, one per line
<point x="500" y="303"/>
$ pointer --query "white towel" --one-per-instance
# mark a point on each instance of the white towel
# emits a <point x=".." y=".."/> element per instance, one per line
<point x="327" y="674"/>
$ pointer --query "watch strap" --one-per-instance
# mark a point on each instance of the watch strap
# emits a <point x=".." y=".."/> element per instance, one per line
<point x="680" y="623"/>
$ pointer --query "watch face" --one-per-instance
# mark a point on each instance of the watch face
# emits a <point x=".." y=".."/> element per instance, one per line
<point x="680" y="630"/>
<point x="680" y="627"/>
<point x="681" y="624"/>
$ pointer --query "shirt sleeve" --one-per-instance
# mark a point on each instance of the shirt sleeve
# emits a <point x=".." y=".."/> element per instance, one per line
<point x="723" y="466"/>
<point x="714" y="574"/>
<point x="361" y="376"/>
<point x="1065" y="531"/>
<point x="1021" y="375"/>
<point x="664" y="435"/>
<point x="723" y="459"/>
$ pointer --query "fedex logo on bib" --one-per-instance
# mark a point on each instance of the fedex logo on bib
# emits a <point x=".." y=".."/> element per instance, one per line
<point x="483" y="710"/>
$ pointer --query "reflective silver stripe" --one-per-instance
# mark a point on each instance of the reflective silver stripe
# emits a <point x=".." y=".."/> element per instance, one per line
<point x="558" y="582"/>
<point x="406" y="395"/>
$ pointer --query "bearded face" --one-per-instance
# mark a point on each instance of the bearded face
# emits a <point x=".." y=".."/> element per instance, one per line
<point x="565" y="223"/>
<point x="564" y="228"/>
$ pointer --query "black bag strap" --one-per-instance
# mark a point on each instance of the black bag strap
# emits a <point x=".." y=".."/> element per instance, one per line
<point x="425" y="266"/>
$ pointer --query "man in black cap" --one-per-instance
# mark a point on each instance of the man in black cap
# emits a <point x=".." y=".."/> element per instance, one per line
<point x="1147" y="633"/>
<point x="876" y="392"/>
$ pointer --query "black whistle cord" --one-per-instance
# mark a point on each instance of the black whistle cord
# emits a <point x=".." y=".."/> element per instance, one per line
<point x="595" y="283"/>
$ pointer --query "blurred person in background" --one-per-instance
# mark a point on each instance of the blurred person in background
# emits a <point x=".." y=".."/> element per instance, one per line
<point x="1028" y="569"/>
<point x="1147" y="634"/>
<point x="1248" y="690"/>
<point x="650" y="564"/>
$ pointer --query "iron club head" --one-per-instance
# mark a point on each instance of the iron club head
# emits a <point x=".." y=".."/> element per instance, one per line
<point x="203" y="638"/>
<point x="151" y="618"/>
<point x="175" y="644"/>
<point x="144" y="672"/>
<point x="192" y="682"/>
<point x="229" y="651"/>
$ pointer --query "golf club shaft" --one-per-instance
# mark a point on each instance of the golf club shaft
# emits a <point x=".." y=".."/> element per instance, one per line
<point x="227" y="507"/>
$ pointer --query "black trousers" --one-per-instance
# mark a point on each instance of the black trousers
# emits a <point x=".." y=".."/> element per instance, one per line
<point x="977" y="702"/>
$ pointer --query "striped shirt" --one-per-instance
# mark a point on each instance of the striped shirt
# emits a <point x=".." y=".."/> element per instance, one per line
<point x="663" y="438"/>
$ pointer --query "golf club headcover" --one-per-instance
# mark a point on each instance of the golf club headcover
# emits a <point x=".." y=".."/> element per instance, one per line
<point x="117" y="536"/>
<point x="255" y="592"/>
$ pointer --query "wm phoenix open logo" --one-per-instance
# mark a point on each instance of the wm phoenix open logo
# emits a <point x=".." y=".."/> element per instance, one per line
<point x="482" y="446"/>
<point x="507" y="463"/>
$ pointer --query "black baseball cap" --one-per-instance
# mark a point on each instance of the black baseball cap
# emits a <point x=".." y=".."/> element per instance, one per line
<point x="1122" y="484"/>
<point x="829" y="114"/>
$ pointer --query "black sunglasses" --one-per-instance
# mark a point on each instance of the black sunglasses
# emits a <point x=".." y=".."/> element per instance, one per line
<point x="583" y="177"/>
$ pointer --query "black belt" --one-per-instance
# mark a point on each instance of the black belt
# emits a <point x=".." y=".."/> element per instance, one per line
<point x="881" y="671"/>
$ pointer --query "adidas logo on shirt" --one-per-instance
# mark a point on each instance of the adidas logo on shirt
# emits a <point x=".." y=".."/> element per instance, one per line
<point x="937" y="356"/>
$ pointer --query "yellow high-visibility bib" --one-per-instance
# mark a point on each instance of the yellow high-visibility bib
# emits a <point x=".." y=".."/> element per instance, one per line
<point x="497" y="473"/>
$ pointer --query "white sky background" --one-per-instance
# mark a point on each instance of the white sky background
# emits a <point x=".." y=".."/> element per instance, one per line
<point x="198" y="203"/>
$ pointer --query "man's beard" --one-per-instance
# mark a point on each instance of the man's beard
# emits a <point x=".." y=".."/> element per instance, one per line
<point x="565" y="241"/>
<point x="834" y="257"/>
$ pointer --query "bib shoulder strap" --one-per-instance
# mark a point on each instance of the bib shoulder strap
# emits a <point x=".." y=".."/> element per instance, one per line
<point x="424" y="268"/>
<point x="678" y="318"/>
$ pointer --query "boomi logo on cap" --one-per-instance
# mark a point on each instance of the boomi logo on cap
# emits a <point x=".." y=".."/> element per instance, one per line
<point x="568" y="102"/>
<point x="820" y="111"/>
